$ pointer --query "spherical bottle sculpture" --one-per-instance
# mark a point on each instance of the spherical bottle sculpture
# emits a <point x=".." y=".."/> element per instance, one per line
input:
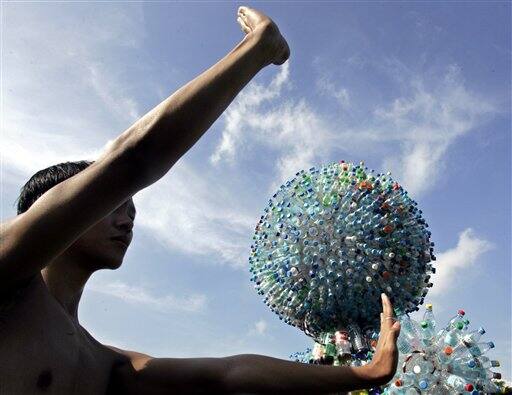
<point x="331" y="240"/>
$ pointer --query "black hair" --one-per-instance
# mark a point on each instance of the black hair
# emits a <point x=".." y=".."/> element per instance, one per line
<point x="46" y="179"/>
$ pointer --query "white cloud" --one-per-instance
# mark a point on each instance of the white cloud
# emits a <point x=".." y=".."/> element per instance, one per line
<point x="418" y="127"/>
<point x="292" y="129"/>
<point x="327" y="87"/>
<point x="259" y="328"/>
<point x="237" y="114"/>
<point x="297" y="133"/>
<point x="461" y="258"/>
<point x="427" y="123"/>
<point x="140" y="296"/>
<point x="187" y="212"/>
<point x="109" y="90"/>
<point x="62" y="95"/>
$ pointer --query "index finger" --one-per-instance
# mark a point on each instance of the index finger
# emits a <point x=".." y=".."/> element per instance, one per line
<point x="387" y="308"/>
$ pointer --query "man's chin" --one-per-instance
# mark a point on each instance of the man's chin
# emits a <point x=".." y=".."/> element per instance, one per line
<point x="109" y="264"/>
<point x="114" y="266"/>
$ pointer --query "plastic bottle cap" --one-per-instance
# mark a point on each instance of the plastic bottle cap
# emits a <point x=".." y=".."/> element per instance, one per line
<point x="496" y="376"/>
<point x="424" y="324"/>
<point x="388" y="229"/>
<point x="471" y="363"/>
<point x="491" y="345"/>
<point x="468" y="387"/>
<point x="423" y="384"/>
<point x="398" y="383"/>
<point x="459" y="325"/>
<point x="481" y="330"/>
<point x="448" y="350"/>
<point x="416" y="369"/>
<point x="461" y="312"/>
<point x="429" y="306"/>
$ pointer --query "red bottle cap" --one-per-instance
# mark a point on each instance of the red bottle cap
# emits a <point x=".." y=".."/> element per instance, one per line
<point x="468" y="387"/>
<point x="448" y="350"/>
<point x="461" y="312"/>
<point x="388" y="229"/>
<point x="398" y="383"/>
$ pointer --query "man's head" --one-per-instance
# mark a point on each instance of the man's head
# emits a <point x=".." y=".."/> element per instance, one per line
<point x="102" y="246"/>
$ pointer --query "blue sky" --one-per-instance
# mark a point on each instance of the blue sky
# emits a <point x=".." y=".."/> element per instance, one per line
<point x="420" y="89"/>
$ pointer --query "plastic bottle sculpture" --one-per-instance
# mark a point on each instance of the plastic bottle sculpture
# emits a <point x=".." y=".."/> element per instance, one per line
<point x="443" y="359"/>
<point x="331" y="240"/>
<point x="432" y="359"/>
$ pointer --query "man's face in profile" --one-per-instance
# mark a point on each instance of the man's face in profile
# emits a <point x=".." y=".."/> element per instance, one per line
<point x="104" y="245"/>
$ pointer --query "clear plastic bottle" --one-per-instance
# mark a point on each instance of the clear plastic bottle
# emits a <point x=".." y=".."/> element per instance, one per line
<point x="409" y="330"/>
<point x="427" y="333"/>
<point x="342" y="343"/>
<point x="429" y="316"/>
<point x="403" y="345"/>
<point x="480" y="348"/>
<point x="404" y="385"/>
<point x="486" y="386"/>
<point x="485" y="362"/>
<point x="446" y="355"/>
<point x="452" y="337"/>
<point x="357" y="340"/>
<point x="472" y="337"/>
<point x="458" y="317"/>
<point x="458" y="383"/>
<point x="439" y="388"/>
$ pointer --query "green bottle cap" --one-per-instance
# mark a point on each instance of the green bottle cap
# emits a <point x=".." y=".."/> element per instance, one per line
<point x="459" y="325"/>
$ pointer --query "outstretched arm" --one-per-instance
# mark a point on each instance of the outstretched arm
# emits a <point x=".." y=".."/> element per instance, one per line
<point x="137" y="158"/>
<point x="258" y="374"/>
<point x="171" y="128"/>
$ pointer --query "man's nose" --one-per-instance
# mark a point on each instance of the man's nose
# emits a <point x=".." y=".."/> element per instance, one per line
<point x="124" y="222"/>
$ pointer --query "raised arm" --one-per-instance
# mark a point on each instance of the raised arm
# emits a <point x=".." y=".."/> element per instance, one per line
<point x="137" y="158"/>
<point x="257" y="374"/>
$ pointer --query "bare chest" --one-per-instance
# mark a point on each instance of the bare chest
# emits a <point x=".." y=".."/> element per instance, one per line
<point x="42" y="350"/>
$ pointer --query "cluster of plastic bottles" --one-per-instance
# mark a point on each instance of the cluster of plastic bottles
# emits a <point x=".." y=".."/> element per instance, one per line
<point x="331" y="240"/>
<point x="350" y="347"/>
<point x="441" y="360"/>
<point x="434" y="360"/>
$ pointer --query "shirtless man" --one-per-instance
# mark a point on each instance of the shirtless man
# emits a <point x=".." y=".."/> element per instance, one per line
<point x="83" y="222"/>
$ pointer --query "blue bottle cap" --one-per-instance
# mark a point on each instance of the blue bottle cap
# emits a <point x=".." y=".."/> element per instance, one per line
<point x="423" y="384"/>
<point x="491" y="344"/>
<point x="481" y="330"/>
<point x="471" y="364"/>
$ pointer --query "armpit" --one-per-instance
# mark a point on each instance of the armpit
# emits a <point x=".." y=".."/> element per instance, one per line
<point x="122" y="380"/>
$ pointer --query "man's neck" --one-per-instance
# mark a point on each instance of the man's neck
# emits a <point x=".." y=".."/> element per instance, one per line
<point x="65" y="280"/>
